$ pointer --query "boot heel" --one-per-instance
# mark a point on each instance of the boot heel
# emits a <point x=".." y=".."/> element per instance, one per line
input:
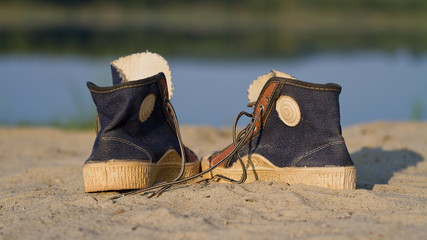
<point x="108" y="176"/>
<point x="327" y="177"/>
<point x="121" y="175"/>
<point x="112" y="176"/>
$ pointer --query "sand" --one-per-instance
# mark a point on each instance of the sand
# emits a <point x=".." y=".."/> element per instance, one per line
<point x="42" y="197"/>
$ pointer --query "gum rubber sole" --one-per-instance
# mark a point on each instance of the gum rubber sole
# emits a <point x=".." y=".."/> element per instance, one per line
<point x="259" y="168"/>
<point x="132" y="174"/>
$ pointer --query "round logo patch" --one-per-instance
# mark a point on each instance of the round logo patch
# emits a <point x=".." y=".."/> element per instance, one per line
<point x="288" y="110"/>
<point x="147" y="107"/>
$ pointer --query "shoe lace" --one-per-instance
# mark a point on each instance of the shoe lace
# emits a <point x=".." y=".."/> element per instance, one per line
<point x="238" y="141"/>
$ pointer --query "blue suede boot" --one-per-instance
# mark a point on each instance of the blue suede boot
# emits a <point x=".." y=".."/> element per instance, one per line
<point x="294" y="137"/>
<point x="138" y="143"/>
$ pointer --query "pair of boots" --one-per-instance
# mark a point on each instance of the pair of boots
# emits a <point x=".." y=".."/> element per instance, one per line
<point x="294" y="135"/>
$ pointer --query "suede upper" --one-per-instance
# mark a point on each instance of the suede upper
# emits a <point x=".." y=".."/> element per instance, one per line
<point x="123" y="136"/>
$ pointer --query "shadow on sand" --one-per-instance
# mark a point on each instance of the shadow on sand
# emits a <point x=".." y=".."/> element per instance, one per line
<point x="377" y="166"/>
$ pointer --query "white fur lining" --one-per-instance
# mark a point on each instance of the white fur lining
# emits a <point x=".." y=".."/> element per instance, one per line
<point x="142" y="65"/>
<point x="257" y="85"/>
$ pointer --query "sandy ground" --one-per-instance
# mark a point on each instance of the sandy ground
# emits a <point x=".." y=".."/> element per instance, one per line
<point x="41" y="193"/>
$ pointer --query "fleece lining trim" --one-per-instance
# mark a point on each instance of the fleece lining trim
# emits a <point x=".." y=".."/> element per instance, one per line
<point x="138" y="66"/>
<point x="257" y="85"/>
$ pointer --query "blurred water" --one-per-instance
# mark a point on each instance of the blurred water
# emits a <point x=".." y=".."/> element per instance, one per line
<point x="42" y="89"/>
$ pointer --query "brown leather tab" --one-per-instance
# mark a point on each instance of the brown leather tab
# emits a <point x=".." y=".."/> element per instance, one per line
<point x="221" y="155"/>
<point x="264" y="100"/>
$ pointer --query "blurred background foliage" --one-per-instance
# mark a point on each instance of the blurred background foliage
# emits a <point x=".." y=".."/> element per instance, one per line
<point x="212" y="28"/>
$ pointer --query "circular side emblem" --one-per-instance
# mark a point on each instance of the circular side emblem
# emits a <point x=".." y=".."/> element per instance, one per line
<point x="288" y="110"/>
<point x="147" y="107"/>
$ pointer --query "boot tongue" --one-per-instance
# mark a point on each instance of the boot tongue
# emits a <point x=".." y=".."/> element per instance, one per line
<point x="139" y="66"/>
<point x="257" y="85"/>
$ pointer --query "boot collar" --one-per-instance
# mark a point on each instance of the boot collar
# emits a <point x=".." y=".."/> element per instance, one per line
<point x="140" y="66"/>
<point x="258" y="84"/>
<point x="160" y="78"/>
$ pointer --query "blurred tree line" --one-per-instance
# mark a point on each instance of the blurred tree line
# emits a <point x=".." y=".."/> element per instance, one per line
<point x="223" y="28"/>
<point x="384" y="5"/>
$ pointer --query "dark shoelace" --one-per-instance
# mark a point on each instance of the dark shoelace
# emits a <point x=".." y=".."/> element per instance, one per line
<point x="238" y="142"/>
